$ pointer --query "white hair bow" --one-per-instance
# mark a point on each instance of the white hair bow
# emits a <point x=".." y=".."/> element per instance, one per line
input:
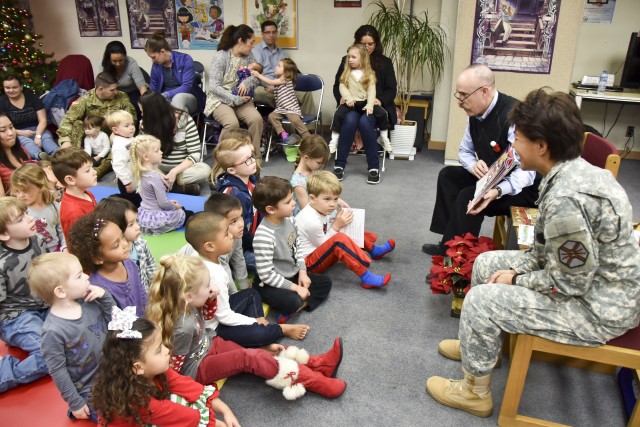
<point x="122" y="320"/>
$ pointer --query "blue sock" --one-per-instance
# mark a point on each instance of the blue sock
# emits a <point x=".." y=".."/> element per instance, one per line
<point x="379" y="251"/>
<point x="370" y="280"/>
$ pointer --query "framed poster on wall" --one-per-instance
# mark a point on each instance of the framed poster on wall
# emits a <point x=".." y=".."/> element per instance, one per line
<point x="98" y="18"/>
<point x="199" y="23"/>
<point x="285" y="15"/>
<point x="515" y="35"/>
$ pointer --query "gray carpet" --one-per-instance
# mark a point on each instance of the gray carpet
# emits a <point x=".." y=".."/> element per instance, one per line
<point x="391" y="335"/>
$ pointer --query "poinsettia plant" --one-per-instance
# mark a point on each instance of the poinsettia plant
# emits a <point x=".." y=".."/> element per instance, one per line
<point x="453" y="271"/>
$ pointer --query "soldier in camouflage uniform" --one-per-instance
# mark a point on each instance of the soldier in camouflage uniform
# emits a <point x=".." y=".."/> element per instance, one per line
<point x="97" y="102"/>
<point x="579" y="284"/>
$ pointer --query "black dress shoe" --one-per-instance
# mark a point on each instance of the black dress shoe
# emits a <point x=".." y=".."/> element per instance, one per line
<point x="433" y="249"/>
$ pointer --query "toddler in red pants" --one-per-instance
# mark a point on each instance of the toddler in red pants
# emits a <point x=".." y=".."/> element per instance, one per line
<point x="181" y="298"/>
<point x="323" y="246"/>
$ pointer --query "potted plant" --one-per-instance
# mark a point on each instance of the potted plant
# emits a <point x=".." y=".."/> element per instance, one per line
<point x="413" y="43"/>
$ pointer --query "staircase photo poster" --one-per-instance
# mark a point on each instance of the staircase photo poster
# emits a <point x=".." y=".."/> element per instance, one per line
<point x="98" y="18"/>
<point x="515" y="35"/>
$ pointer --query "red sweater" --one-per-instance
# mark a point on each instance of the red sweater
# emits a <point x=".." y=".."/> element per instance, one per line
<point x="72" y="208"/>
<point x="165" y="413"/>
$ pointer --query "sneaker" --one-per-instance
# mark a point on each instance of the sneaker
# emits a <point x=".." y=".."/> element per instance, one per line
<point x="339" y="173"/>
<point x="374" y="177"/>
<point x="333" y="146"/>
<point x="44" y="156"/>
<point x="385" y="143"/>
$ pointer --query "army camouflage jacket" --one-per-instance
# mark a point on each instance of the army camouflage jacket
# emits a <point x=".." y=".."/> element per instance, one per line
<point x="90" y="104"/>
<point x="584" y="245"/>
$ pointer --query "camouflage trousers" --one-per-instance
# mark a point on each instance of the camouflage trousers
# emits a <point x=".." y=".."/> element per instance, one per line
<point x="490" y="309"/>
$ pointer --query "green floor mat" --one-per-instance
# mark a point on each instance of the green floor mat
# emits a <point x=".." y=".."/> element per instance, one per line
<point x="163" y="244"/>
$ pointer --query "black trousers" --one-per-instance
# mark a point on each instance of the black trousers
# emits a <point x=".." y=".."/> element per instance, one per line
<point x="382" y="120"/>
<point x="132" y="197"/>
<point x="288" y="301"/>
<point x="456" y="187"/>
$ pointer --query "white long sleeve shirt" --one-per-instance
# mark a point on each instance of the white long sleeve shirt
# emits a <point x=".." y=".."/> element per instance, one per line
<point x="224" y="314"/>
<point x="311" y="230"/>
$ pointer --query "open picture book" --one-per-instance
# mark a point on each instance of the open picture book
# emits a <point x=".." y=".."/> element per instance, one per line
<point x="497" y="172"/>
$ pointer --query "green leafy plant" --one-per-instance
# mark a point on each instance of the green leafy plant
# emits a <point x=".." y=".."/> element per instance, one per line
<point x="413" y="43"/>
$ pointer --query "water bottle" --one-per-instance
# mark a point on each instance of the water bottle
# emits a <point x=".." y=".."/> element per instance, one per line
<point x="602" y="83"/>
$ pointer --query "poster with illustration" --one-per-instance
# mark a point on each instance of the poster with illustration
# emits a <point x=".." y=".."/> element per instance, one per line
<point x="148" y="16"/>
<point x="98" y="18"/>
<point x="515" y="35"/>
<point x="283" y="13"/>
<point x="199" y="24"/>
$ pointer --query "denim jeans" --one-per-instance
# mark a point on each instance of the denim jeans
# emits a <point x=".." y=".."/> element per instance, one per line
<point x="353" y="121"/>
<point x="24" y="332"/>
<point x="49" y="145"/>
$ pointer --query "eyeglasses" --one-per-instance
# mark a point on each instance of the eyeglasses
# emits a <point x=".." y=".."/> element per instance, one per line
<point x="461" y="96"/>
<point x="251" y="159"/>
<point x="368" y="44"/>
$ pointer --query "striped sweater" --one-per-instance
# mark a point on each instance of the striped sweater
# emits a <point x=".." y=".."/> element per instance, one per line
<point x="186" y="145"/>
<point x="277" y="256"/>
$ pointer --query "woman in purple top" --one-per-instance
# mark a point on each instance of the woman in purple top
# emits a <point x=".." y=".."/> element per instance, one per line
<point x="103" y="251"/>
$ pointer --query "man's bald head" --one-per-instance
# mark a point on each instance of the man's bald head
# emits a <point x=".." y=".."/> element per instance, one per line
<point x="475" y="89"/>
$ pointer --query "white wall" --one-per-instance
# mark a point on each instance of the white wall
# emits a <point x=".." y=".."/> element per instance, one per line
<point x="325" y="33"/>
<point x="604" y="46"/>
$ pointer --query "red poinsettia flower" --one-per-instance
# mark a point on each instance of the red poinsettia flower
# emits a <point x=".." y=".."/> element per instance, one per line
<point x="440" y="285"/>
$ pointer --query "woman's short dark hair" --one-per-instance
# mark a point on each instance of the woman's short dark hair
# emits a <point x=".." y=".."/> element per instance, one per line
<point x="552" y="117"/>
<point x="111" y="48"/>
<point x="11" y="77"/>
<point x="232" y="34"/>
<point x="158" y="119"/>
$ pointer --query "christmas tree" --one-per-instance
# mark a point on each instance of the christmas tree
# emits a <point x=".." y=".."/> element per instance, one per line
<point x="19" y="53"/>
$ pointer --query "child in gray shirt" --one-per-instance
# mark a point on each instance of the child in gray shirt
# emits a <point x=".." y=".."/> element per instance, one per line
<point x="75" y="329"/>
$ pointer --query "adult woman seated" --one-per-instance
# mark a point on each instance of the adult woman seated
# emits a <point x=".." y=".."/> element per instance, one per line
<point x="234" y="52"/>
<point x="579" y="285"/>
<point x="125" y="70"/>
<point x="12" y="155"/>
<point x="172" y="75"/>
<point x="180" y="143"/>
<point x="386" y="88"/>
<point x="29" y="117"/>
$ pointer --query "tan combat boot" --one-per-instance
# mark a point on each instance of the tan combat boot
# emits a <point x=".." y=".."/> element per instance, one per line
<point x="470" y="394"/>
<point x="450" y="349"/>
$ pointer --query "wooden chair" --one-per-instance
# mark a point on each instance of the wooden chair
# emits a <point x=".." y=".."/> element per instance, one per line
<point x="622" y="351"/>
<point x="597" y="151"/>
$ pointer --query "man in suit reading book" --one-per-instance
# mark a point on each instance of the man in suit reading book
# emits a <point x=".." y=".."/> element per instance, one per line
<point x="488" y="135"/>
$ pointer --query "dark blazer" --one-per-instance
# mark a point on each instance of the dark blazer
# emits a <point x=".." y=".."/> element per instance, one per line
<point x="386" y="86"/>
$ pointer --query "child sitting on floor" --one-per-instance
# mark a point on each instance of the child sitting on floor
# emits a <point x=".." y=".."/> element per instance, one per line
<point x="102" y="250"/>
<point x="156" y="214"/>
<point x="75" y="329"/>
<point x="180" y="290"/>
<point x="322" y="245"/>
<point x="123" y="213"/>
<point x="29" y="184"/>
<point x="282" y="278"/>
<point x="21" y="314"/>
<point x="122" y="127"/>
<point x="239" y="317"/>
<point x="234" y="174"/>
<point x="135" y="385"/>
<point x="233" y="263"/>
<point x="313" y="154"/>
<point x="73" y="169"/>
